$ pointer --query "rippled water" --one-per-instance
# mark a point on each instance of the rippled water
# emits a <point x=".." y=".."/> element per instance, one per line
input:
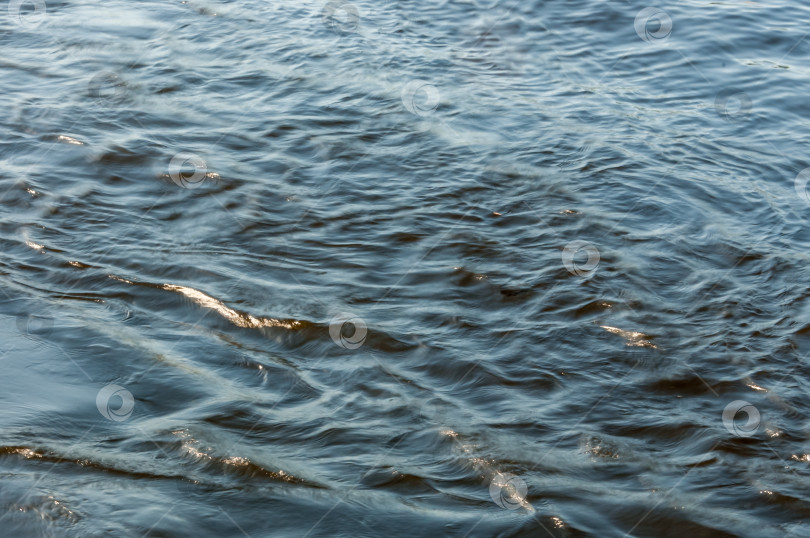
<point x="449" y="268"/>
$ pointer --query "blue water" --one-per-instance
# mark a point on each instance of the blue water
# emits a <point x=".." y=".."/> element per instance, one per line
<point x="448" y="268"/>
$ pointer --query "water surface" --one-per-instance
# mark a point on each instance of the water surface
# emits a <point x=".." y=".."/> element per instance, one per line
<point x="447" y="268"/>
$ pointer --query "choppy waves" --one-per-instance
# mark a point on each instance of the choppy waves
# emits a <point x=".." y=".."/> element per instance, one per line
<point x="381" y="269"/>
